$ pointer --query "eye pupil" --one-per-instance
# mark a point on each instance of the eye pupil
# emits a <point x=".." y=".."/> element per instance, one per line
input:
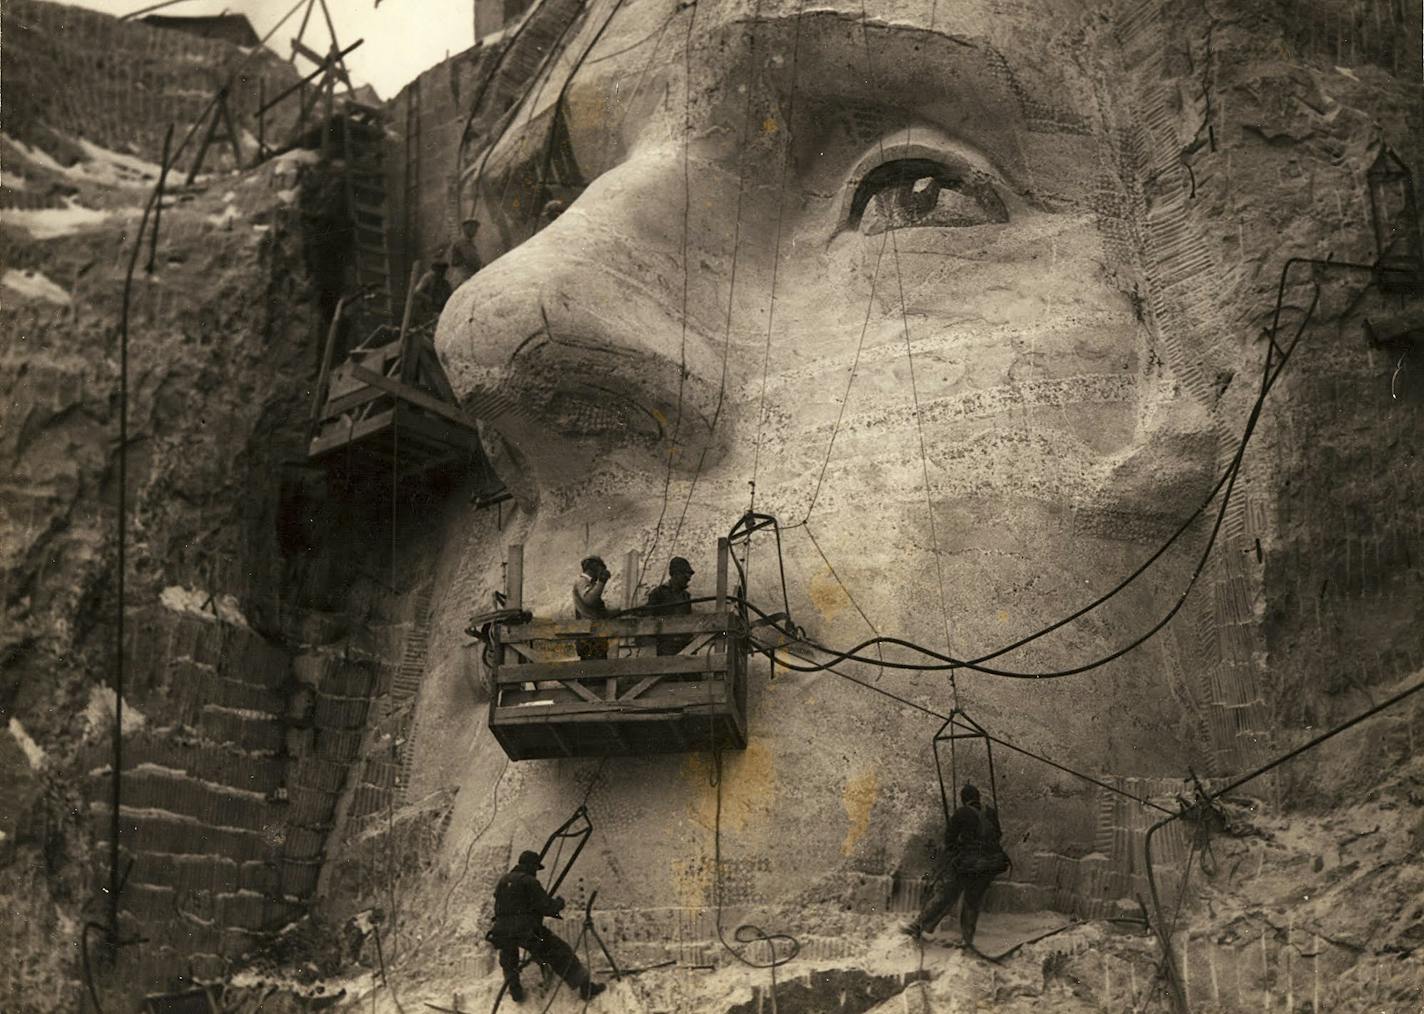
<point x="921" y="192"/>
<point x="922" y="196"/>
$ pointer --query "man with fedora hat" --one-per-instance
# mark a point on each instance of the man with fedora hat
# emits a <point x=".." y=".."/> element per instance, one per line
<point x="671" y="598"/>
<point x="520" y="905"/>
<point x="464" y="257"/>
<point x="431" y="293"/>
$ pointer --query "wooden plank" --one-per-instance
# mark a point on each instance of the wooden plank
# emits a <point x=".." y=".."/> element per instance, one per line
<point x="514" y="581"/>
<point x="413" y="395"/>
<point x="410" y="419"/>
<point x="340" y="404"/>
<point x="595" y="714"/>
<point x="569" y="629"/>
<point x="723" y="550"/>
<point x="598" y="669"/>
<point x="584" y="692"/>
<point x="698" y="643"/>
<point x="344" y="435"/>
<point x="530" y="651"/>
<point x="643" y="684"/>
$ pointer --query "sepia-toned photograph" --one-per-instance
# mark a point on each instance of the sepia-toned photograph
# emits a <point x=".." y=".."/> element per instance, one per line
<point x="712" y="506"/>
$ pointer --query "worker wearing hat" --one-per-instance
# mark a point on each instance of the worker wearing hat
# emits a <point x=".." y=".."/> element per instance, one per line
<point x="671" y="598"/>
<point x="464" y="257"/>
<point x="520" y="905"/>
<point x="431" y="293"/>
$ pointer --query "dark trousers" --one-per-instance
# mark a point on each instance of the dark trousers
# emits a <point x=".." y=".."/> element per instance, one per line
<point x="547" y="949"/>
<point x="591" y="647"/>
<point x="946" y="892"/>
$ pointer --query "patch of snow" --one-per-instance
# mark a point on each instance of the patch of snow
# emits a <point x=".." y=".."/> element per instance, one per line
<point x="296" y="157"/>
<point x="1347" y="72"/>
<point x="12" y="181"/>
<point x="105" y="166"/>
<point x="40" y="158"/>
<point x="225" y="218"/>
<point x="50" y="223"/>
<point x="99" y="713"/>
<point x="33" y="753"/>
<point x="34" y="285"/>
<point x="287" y="196"/>
<point x="194" y="602"/>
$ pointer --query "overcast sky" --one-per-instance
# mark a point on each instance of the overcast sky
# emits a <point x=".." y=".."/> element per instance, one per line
<point x="403" y="37"/>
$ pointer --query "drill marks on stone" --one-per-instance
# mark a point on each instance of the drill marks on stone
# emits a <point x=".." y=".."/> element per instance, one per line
<point x="858" y="799"/>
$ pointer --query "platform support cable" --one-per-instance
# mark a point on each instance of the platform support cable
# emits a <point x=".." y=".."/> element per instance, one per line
<point x="686" y="275"/>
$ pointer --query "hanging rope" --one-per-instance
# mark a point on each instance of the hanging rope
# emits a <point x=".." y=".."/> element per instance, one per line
<point x="686" y="279"/>
<point x="776" y="256"/>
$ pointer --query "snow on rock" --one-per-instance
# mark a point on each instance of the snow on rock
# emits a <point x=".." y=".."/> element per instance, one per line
<point x="34" y="285"/>
<point x="99" y="713"/>
<point x="11" y="181"/>
<point x="51" y="223"/>
<point x="194" y="602"/>
<point x="32" y="750"/>
<point x="104" y="166"/>
<point x="38" y="156"/>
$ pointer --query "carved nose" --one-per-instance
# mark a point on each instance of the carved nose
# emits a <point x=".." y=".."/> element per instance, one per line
<point x="578" y="336"/>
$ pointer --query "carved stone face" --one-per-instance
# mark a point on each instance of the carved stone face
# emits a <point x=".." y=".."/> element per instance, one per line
<point x="888" y="263"/>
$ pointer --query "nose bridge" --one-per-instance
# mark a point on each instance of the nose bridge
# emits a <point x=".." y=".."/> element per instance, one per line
<point x="598" y="301"/>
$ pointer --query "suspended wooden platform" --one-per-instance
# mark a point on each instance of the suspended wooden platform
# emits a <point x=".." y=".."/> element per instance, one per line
<point x="389" y="407"/>
<point x="547" y="702"/>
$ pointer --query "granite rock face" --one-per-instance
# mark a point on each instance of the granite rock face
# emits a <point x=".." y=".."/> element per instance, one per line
<point x="977" y="296"/>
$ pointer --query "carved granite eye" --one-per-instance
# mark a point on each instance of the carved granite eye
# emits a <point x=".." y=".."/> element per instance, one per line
<point x="915" y="192"/>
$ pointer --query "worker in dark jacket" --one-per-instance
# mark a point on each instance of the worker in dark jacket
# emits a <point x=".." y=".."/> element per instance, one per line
<point x="520" y="905"/>
<point x="589" y="605"/>
<point x="431" y="294"/>
<point x="671" y="598"/>
<point x="973" y="858"/>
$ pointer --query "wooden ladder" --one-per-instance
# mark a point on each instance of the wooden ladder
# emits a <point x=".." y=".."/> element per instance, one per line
<point x="365" y="178"/>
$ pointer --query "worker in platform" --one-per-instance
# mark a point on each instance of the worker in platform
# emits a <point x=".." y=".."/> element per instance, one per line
<point x="552" y="210"/>
<point x="671" y="598"/>
<point x="431" y="294"/>
<point x="520" y="905"/>
<point x="973" y="858"/>
<point x="464" y="258"/>
<point x="589" y="604"/>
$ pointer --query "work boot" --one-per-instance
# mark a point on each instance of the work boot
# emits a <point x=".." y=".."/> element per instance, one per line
<point x="589" y="990"/>
<point x="968" y="921"/>
<point x="516" y="991"/>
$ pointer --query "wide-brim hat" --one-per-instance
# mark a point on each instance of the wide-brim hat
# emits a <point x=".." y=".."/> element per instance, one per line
<point x="530" y="859"/>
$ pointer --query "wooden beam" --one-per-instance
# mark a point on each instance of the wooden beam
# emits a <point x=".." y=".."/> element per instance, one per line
<point x="564" y="630"/>
<point x="637" y="689"/>
<point x="349" y="434"/>
<point x="514" y="582"/>
<point x="340" y="404"/>
<point x="413" y="395"/>
<point x="722" y="552"/>
<point x="601" y="669"/>
<point x="405" y="367"/>
<point x="683" y="703"/>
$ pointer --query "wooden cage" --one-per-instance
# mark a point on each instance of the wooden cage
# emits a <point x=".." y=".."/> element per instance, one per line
<point x="546" y="701"/>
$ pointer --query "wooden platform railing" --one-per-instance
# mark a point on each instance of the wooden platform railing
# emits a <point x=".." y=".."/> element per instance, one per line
<point x="547" y="701"/>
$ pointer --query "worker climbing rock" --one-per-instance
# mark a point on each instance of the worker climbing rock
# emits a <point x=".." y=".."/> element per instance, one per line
<point x="520" y="906"/>
<point x="589" y="604"/>
<point x="671" y="598"/>
<point x="464" y="257"/>
<point x="431" y="294"/>
<point x="973" y="858"/>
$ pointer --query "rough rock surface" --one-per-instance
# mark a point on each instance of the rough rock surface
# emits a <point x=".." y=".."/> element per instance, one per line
<point x="975" y="402"/>
<point x="978" y="398"/>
